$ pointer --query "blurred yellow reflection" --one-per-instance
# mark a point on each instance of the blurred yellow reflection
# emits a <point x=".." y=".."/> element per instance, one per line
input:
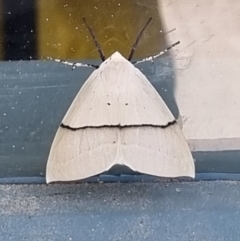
<point x="116" y="23"/>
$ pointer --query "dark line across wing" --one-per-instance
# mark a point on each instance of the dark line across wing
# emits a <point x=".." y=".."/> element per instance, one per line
<point x="117" y="126"/>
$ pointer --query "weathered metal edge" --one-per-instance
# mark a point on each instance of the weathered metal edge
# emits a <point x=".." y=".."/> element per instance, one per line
<point x="127" y="178"/>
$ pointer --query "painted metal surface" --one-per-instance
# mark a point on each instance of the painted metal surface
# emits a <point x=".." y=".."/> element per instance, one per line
<point x="154" y="211"/>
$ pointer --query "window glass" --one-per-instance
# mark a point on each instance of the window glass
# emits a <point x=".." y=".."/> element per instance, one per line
<point x="197" y="79"/>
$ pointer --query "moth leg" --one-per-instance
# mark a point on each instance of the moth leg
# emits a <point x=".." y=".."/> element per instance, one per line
<point x="74" y="65"/>
<point x="151" y="58"/>
<point x="134" y="47"/>
<point x="101" y="54"/>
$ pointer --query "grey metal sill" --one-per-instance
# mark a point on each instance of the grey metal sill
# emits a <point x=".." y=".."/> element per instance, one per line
<point x="193" y="211"/>
<point x="128" y="179"/>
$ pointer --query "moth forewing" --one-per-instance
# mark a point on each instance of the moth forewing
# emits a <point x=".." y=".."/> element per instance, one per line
<point x="118" y="118"/>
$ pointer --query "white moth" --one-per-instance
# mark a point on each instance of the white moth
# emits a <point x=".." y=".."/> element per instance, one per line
<point x="118" y="118"/>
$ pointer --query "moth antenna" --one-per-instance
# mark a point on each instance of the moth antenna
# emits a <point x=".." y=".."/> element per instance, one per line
<point x="137" y="40"/>
<point x="157" y="55"/>
<point x="74" y="65"/>
<point x="95" y="41"/>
